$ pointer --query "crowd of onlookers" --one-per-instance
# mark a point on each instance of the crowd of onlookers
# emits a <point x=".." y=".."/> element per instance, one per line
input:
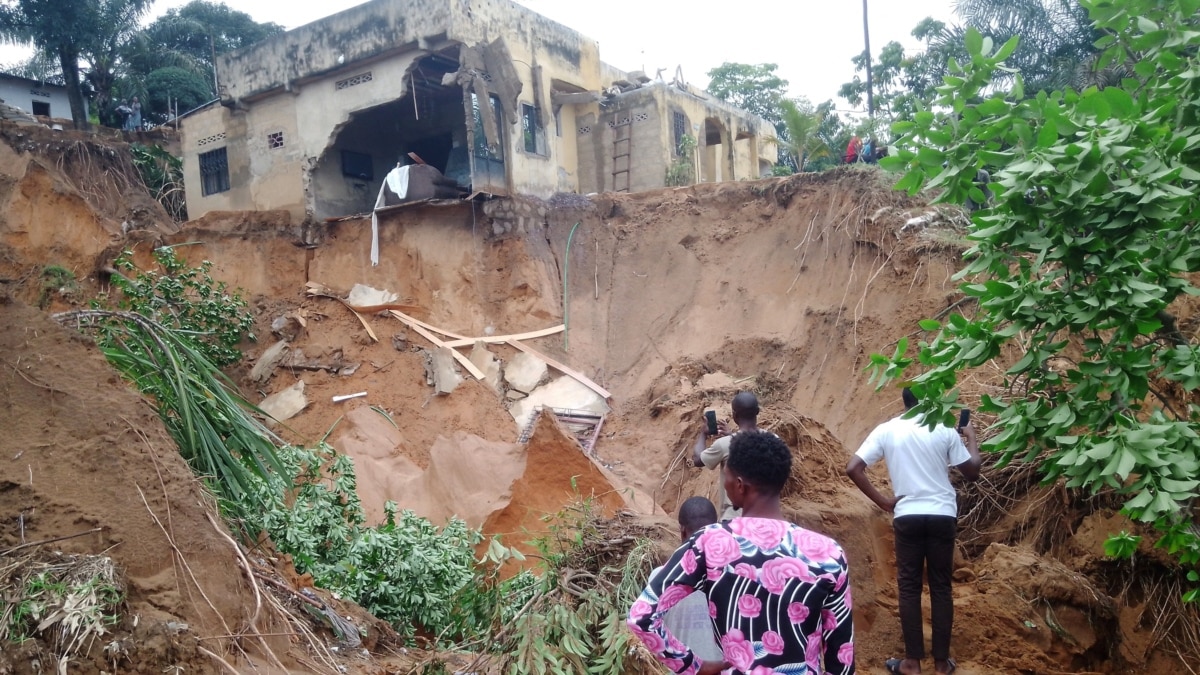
<point x="868" y="151"/>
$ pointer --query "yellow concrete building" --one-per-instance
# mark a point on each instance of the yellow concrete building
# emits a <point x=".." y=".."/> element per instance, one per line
<point x="495" y="96"/>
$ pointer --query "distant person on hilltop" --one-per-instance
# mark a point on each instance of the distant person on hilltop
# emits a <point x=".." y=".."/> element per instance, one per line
<point x="853" y="150"/>
<point x="134" y="121"/>
<point x="925" y="523"/>
<point x="778" y="595"/>
<point x="745" y="416"/>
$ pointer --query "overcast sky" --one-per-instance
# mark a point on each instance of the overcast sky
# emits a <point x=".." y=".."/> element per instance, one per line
<point x="812" y="41"/>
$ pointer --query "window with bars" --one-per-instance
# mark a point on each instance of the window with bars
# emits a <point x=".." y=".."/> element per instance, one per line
<point x="275" y="140"/>
<point x="482" y="150"/>
<point x="531" y="131"/>
<point x="679" y="127"/>
<point x="214" y="172"/>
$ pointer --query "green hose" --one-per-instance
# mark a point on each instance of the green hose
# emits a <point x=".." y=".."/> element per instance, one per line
<point x="566" y="280"/>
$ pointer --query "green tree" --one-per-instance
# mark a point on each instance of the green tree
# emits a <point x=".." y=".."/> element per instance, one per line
<point x="116" y="28"/>
<point x="802" y="141"/>
<point x="188" y="38"/>
<point x="191" y="36"/>
<point x="1082" y="265"/>
<point x="176" y="85"/>
<point x="1058" y="39"/>
<point x="754" y="88"/>
<point x="904" y="83"/>
<point x="57" y="27"/>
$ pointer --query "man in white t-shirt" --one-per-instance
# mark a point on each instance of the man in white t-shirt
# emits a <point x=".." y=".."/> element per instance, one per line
<point x="925" y="524"/>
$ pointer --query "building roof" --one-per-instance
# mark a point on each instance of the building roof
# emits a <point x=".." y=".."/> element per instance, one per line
<point x="19" y="78"/>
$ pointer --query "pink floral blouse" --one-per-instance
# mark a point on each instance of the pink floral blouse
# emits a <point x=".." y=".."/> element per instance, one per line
<point x="779" y="598"/>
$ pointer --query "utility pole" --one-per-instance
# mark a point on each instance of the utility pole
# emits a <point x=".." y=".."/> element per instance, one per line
<point x="867" y="42"/>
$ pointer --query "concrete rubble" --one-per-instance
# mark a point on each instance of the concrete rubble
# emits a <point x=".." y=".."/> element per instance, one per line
<point x="563" y="392"/>
<point x="486" y="361"/>
<point x="270" y="359"/>
<point x="445" y="375"/>
<point x="524" y="371"/>
<point x="286" y="404"/>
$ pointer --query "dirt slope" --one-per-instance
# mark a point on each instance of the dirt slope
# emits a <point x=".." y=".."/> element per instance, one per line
<point x="79" y="451"/>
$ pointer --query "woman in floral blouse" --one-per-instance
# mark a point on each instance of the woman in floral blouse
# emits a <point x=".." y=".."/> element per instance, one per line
<point x="779" y="595"/>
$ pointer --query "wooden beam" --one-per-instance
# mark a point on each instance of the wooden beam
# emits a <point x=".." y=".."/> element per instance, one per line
<point x="420" y="329"/>
<point x="583" y="379"/>
<point x="406" y="318"/>
<point x="501" y="339"/>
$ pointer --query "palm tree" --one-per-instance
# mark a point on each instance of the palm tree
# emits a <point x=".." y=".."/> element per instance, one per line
<point x="803" y="141"/>
<point x="867" y="51"/>
<point x="1057" y="47"/>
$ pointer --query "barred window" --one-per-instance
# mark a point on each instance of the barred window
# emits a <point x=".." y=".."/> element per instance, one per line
<point x="214" y="172"/>
<point x="275" y="140"/>
<point x="679" y="125"/>
<point x="532" y="131"/>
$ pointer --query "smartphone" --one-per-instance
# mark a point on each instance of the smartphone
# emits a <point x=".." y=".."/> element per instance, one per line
<point x="964" y="418"/>
<point x="711" y="417"/>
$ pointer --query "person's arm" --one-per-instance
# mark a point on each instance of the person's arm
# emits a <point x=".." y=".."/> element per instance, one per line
<point x="698" y="448"/>
<point x="857" y="471"/>
<point x="970" y="468"/>
<point x="837" y="626"/>
<point x="664" y="590"/>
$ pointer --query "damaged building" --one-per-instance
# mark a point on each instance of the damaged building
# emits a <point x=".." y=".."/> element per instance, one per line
<point x="497" y="98"/>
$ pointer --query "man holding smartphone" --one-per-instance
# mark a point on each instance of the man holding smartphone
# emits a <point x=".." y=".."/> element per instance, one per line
<point x="926" y="521"/>
<point x="745" y="416"/>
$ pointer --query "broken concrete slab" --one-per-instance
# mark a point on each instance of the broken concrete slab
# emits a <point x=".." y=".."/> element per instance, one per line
<point x="288" y="327"/>
<point x="564" y="392"/>
<point x="285" y="404"/>
<point x="486" y="361"/>
<point x="524" y="371"/>
<point x="270" y="359"/>
<point x="445" y="376"/>
<point x="366" y="296"/>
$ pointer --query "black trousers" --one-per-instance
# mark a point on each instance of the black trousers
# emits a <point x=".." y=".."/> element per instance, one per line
<point x="925" y="547"/>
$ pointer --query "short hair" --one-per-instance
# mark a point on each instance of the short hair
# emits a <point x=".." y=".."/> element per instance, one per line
<point x="762" y="459"/>
<point x="745" y="403"/>
<point x="910" y="399"/>
<point x="696" y="513"/>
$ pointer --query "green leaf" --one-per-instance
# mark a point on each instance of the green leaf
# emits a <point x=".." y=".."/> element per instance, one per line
<point x="1119" y="100"/>
<point x="974" y="41"/>
<point x="1008" y="48"/>
<point x="929" y="324"/>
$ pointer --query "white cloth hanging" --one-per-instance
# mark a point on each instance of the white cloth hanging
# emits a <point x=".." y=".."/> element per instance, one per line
<point x="396" y="181"/>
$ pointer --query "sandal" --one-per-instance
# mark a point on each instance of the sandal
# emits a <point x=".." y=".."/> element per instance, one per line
<point x="953" y="666"/>
<point x="893" y="666"/>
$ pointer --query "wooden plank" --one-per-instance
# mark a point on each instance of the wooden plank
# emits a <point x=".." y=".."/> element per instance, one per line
<point x="583" y="379"/>
<point x="501" y="339"/>
<point x="416" y="326"/>
<point x="406" y="318"/>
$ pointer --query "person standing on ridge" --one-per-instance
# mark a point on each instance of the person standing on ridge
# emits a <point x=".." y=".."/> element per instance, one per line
<point x="745" y="416"/>
<point x="925" y="524"/>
